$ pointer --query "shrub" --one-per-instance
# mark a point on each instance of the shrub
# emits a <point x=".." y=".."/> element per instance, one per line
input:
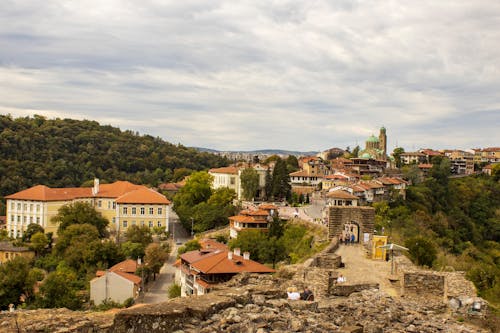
<point x="421" y="250"/>
<point x="174" y="291"/>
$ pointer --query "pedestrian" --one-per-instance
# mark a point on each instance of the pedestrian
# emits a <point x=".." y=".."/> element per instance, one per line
<point x="352" y="238"/>
<point x="346" y="239"/>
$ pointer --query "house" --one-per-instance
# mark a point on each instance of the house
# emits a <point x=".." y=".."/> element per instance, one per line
<point x="487" y="155"/>
<point x="303" y="177"/>
<point x="230" y="177"/>
<point x="336" y="180"/>
<point x="249" y="220"/>
<point x="122" y="203"/>
<point x="341" y="198"/>
<point x="314" y="166"/>
<point x="9" y="251"/>
<point x="413" y="158"/>
<point x="116" y="284"/>
<point x="394" y="184"/>
<point x="203" y="269"/>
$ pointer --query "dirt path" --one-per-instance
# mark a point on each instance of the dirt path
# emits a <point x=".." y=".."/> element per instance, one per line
<point x="359" y="269"/>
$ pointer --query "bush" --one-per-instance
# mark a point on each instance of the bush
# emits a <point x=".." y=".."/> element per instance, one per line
<point x="128" y="302"/>
<point x="421" y="250"/>
<point x="174" y="291"/>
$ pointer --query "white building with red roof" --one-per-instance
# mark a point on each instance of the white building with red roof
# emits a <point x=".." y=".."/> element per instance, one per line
<point x="203" y="269"/>
<point x="122" y="203"/>
<point x="230" y="177"/>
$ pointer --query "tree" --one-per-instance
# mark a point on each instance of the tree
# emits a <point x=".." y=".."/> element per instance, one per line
<point x="421" y="250"/>
<point x="268" y="188"/>
<point x="249" y="183"/>
<point x="80" y="213"/>
<point x="292" y="164"/>
<point x="495" y="172"/>
<point x="155" y="258"/>
<point x="132" y="250"/>
<point x="174" y="291"/>
<point x="250" y="241"/>
<point x="39" y="242"/>
<point x="60" y="290"/>
<point x="191" y="245"/>
<point x="13" y="275"/>
<point x="281" y="180"/>
<point x="32" y="229"/>
<point x="396" y="153"/>
<point x="139" y="234"/>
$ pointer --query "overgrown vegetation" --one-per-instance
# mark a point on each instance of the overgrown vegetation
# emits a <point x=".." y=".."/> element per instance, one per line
<point x="458" y="218"/>
<point x="67" y="153"/>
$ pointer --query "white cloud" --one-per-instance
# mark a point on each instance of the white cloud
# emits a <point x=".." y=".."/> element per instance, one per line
<point x="256" y="74"/>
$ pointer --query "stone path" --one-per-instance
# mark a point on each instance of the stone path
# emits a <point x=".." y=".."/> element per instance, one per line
<point x="359" y="269"/>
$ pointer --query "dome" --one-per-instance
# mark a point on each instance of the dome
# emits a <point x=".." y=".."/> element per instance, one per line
<point x="366" y="155"/>
<point x="372" y="138"/>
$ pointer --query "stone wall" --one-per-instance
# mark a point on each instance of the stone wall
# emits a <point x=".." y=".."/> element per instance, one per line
<point x="338" y="216"/>
<point x="424" y="284"/>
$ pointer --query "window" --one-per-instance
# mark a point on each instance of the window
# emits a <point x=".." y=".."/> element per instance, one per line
<point x="99" y="203"/>
<point x="25" y="207"/>
<point x="134" y="211"/>
<point x="160" y="211"/>
<point x="18" y="218"/>
<point x="150" y="224"/>
<point x="125" y="210"/>
<point x="125" y="224"/>
<point x="31" y="219"/>
<point x="142" y="223"/>
<point x="109" y="204"/>
<point x="159" y="223"/>
<point x="12" y="205"/>
<point x="114" y="205"/>
<point x="232" y="180"/>
<point x="37" y="208"/>
<point x="12" y="218"/>
<point x="151" y="211"/>
<point x="142" y="210"/>
<point x="31" y="207"/>
<point x="25" y="219"/>
<point x="38" y="220"/>
<point x="18" y="206"/>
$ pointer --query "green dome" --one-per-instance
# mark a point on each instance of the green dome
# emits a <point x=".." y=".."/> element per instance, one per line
<point x="366" y="155"/>
<point x="372" y="138"/>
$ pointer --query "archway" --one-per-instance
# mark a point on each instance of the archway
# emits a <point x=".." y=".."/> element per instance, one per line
<point x="352" y="228"/>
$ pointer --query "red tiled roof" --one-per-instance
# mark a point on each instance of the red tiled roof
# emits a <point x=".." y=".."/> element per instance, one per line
<point x="268" y="206"/>
<point x="208" y="244"/>
<point x="424" y="166"/>
<point x="127" y="266"/>
<point x="143" y="196"/>
<point x="204" y="284"/>
<point x="131" y="277"/>
<point x="218" y="263"/>
<point x="336" y="176"/>
<point x="230" y="170"/>
<point x="44" y="193"/>
<point x="243" y="218"/>
<point x="260" y="212"/>
<point x="340" y="194"/>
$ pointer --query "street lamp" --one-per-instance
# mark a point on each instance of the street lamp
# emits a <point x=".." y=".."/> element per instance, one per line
<point x="192" y="223"/>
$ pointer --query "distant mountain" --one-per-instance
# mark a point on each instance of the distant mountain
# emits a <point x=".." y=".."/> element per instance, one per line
<point x="260" y="151"/>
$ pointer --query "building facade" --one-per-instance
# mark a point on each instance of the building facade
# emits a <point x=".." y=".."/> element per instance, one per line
<point x="116" y="202"/>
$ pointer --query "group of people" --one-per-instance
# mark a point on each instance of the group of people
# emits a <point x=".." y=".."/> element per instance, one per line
<point x="347" y="236"/>
<point x="294" y="295"/>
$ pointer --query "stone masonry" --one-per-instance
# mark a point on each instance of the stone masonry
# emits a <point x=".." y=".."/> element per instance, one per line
<point x="338" y="216"/>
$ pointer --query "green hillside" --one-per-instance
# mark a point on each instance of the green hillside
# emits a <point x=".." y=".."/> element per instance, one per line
<point x="67" y="152"/>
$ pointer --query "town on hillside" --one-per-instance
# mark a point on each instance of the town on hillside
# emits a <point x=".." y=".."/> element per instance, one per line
<point x="113" y="244"/>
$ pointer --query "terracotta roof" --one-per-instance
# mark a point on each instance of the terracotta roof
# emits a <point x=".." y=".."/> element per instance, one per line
<point x="44" y="193"/>
<point x="412" y="154"/>
<point x="218" y="263"/>
<point x="336" y="176"/>
<point x="230" y="170"/>
<point x="243" y="218"/>
<point x="143" y="196"/>
<point x="117" y="189"/>
<point x="169" y="186"/>
<point x="204" y="284"/>
<point x="268" y="206"/>
<point x="357" y="188"/>
<point x="340" y="194"/>
<point x="127" y="266"/>
<point x="425" y="166"/>
<point x="131" y="277"/>
<point x="208" y="243"/>
<point x="260" y="212"/>
<point x="6" y="246"/>
<point x="302" y="173"/>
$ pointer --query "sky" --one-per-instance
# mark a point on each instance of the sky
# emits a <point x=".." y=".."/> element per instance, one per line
<point x="245" y="75"/>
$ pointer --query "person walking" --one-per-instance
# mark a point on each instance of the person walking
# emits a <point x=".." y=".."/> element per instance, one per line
<point x="352" y="239"/>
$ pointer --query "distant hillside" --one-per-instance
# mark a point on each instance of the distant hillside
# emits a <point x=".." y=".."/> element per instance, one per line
<point x="262" y="151"/>
<point x="67" y="152"/>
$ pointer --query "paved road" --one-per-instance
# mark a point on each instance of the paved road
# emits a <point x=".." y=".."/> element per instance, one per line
<point x="157" y="291"/>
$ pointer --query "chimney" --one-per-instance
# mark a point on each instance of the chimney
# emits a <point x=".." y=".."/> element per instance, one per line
<point x="230" y="255"/>
<point x="246" y="255"/>
<point x="237" y="251"/>
<point x="95" y="189"/>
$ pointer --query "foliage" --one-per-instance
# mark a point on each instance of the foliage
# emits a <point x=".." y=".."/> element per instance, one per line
<point x="281" y="181"/>
<point x="14" y="281"/>
<point x="155" y="257"/>
<point x="292" y="164"/>
<point x="32" y="229"/>
<point x="221" y="239"/>
<point x="249" y="182"/>
<point x="132" y="250"/>
<point x="39" y="242"/>
<point x="60" y="289"/>
<point x="139" y="234"/>
<point x="421" y="250"/>
<point x="268" y="187"/>
<point x="80" y="213"/>
<point x="191" y="245"/>
<point x="396" y="153"/>
<point x="495" y="172"/>
<point x="174" y="291"/>
<point x="207" y="208"/>
<point x="66" y="153"/>
<point x="4" y="235"/>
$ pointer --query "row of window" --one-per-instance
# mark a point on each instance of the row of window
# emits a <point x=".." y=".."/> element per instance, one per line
<point x="25" y="219"/>
<point x="25" y="206"/>
<point x="142" y="210"/>
<point x="151" y="224"/>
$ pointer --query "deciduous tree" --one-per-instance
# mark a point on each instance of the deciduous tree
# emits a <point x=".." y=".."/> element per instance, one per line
<point x="249" y="183"/>
<point x="80" y="213"/>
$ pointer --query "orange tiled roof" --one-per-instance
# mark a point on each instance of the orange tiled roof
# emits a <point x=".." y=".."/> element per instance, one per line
<point x="230" y="170"/>
<point x="208" y="243"/>
<point x="117" y="189"/>
<point x="127" y="266"/>
<point x="131" y="277"/>
<point x="424" y="166"/>
<point x="340" y="194"/>
<point x="243" y="218"/>
<point x="302" y="173"/>
<point x="268" y="206"/>
<point x="218" y="263"/>
<point x="44" y="193"/>
<point x="260" y="212"/>
<point x="143" y="196"/>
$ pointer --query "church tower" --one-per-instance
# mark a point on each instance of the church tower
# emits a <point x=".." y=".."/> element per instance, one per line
<point x="382" y="137"/>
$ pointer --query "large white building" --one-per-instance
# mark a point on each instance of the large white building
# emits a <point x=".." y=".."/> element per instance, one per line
<point x="230" y="177"/>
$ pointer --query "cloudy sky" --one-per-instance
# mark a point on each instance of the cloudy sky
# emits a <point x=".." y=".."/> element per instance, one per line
<point x="242" y="75"/>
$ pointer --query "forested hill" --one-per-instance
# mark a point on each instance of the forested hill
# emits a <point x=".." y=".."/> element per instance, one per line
<point x="66" y="152"/>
